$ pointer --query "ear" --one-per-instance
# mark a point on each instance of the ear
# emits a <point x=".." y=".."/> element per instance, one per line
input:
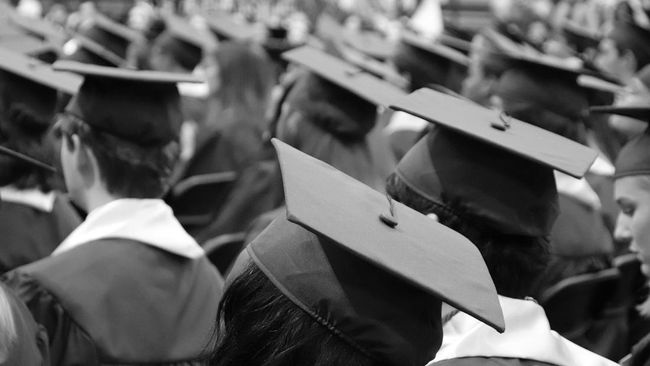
<point x="83" y="159"/>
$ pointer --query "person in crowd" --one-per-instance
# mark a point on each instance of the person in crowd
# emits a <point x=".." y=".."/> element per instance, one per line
<point x="128" y="285"/>
<point x="625" y="50"/>
<point x="498" y="189"/>
<point x="333" y="283"/>
<point x="34" y="216"/>
<point x="632" y="192"/>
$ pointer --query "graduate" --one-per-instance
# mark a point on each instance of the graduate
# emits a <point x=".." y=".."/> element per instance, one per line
<point x="34" y="216"/>
<point x="129" y="285"/>
<point x="624" y="50"/>
<point x="347" y="277"/>
<point x="632" y="193"/>
<point x="490" y="177"/>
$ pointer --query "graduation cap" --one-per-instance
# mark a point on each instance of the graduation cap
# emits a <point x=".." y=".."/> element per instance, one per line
<point x="110" y="35"/>
<point x="142" y="107"/>
<point x="634" y="158"/>
<point x="492" y="168"/>
<point x="435" y="48"/>
<point x="185" y="43"/>
<point x="85" y="50"/>
<point x="38" y="72"/>
<point x="40" y="28"/>
<point x="579" y="37"/>
<point x="371" y="270"/>
<point x="628" y="35"/>
<point x="370" y="43"/>
<point x="345" y="75"/>
<point x="26" y="159"/>
<point x="30" y="46"/>
<point x="227" y="28"/>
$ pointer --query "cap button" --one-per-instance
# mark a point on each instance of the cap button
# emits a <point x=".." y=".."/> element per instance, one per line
<point x="390" y="219"/>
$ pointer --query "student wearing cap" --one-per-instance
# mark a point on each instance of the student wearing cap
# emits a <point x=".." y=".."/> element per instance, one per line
<point x="347" y="277"/>
<point x="637" y="93"/>
<point x="632" y="192"/>
<point x="34" y="216"/>
<point x="549" y="97"/>
<point x="624" y="50"/>
<point x="180" y="47"/>
<point x="129" y="285"/>
<point x="491" y="178"/>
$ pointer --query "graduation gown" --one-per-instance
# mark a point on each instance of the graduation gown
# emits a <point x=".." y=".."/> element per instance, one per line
<point x="128" y="287"/>
<point x="527" y="341"/>
<point x="26" y="342"/>
<point x="32" y="224"/>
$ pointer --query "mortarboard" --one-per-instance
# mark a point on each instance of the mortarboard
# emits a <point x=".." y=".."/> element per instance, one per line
<point x="31" y="46"/>
<point x="226" y="28"/>
<point x="39" y="72"/>
<point x="184" y="42"/>
<point x="492" y="168"/>
<point x="113" y="37"/>
<point x="580" y="38"/>
<point x="370" y="43"/>
<point x="435" y="48"/>
<point x="371" y="270"/>
<point x="634" y="158"/>
<point x="628" y="35"/>
<point x="40" y="28"/>
<point x="142" y="107"/>
<point x="25" y="159"/>
<point x="345" y="75"/>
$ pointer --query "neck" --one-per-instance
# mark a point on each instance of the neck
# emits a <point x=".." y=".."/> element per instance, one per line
<point x="96" y="198"/>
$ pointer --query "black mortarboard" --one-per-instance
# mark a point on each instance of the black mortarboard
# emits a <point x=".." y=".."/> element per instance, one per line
<point x="111" y="35"/>
<point x="40" y="28"/>
<point x="370" y="43"/>
<point x="31" y="46"/>
<point x="185" y="43"/>
<point x="142" y="107"/>
<point x="580" y="38"/>
<point x="226" y="28"/>
<point x="345" y="75"/>
<point x="634" y="158"/>
<point x="371" y="270"/>
<point x="38" y="72"/>
<point x="25" y="159"/>
<point x="436" y="48"/>
<point x="488" y="166"/>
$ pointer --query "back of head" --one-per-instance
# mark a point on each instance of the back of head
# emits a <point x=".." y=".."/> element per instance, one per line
<point x="26" y="112"/>
<point x="254" y="314"/>
<point x="544" y="100"/>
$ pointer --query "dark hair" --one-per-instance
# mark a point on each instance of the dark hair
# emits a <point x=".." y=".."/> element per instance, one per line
<point x="260" y="326"/>
<point x="128" y="170"/>
<point x="515" y="262"/>
<point x="425" y="68"/>
<point x="24" y="127"/>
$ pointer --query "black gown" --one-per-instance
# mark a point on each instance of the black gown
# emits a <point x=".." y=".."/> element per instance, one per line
<point x="118" y="301"/>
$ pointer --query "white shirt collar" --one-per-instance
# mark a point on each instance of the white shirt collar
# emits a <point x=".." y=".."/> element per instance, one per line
<point x="149" y="221"/>
<point x="28" y="197"/>
<point x="602" y="166"/>
<point x="578" y="189"/>
<point x="528" y="335"/>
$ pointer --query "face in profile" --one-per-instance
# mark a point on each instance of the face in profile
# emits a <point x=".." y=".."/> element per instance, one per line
<point x="633" y="225"/>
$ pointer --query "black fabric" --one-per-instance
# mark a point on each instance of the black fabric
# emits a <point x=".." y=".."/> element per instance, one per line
<point x="122" y="302"/>
<point x="184" y="53"/>
<point x="147" y="114"/>
<point x="634" y="158"/>
<point x="491" y="361"/>
<point x="29" y="234"/>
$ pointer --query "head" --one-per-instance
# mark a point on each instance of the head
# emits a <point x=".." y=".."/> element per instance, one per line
<point x="331" y="124"/>
<point x="624" y="51"/>
<point x="505" y="204"/>
<point x="119" y="140"/>
<point x="485" y="68"/>
<point x="545" y="99"/>
<point x="423" y="68"/>
<point x="242" y="77"/>
<point x="26" y="112"/>
<point x="171" y="54"/>
<point x="632" y="193"/>
<point x="254" y="314"/>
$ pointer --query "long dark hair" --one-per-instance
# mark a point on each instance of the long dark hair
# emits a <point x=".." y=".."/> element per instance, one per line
<point x="261" y="327"/>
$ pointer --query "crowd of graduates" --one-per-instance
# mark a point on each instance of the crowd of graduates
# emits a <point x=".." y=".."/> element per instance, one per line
<point x="325" y="183"/>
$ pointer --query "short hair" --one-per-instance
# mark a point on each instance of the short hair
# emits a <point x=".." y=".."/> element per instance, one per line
<point x="260" y="326"/>
<point x="515" y="262"/>
<point x="128" y="170"/>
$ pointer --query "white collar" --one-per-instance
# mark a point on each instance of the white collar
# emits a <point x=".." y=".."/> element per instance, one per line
<point x="149" y="221"/>
<point x="578" y="189"/>
<point x="528" y="336"/>
<point x="28" y="197"/>
<point x="602" y="166"/>
<point x="400" y="121"/>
